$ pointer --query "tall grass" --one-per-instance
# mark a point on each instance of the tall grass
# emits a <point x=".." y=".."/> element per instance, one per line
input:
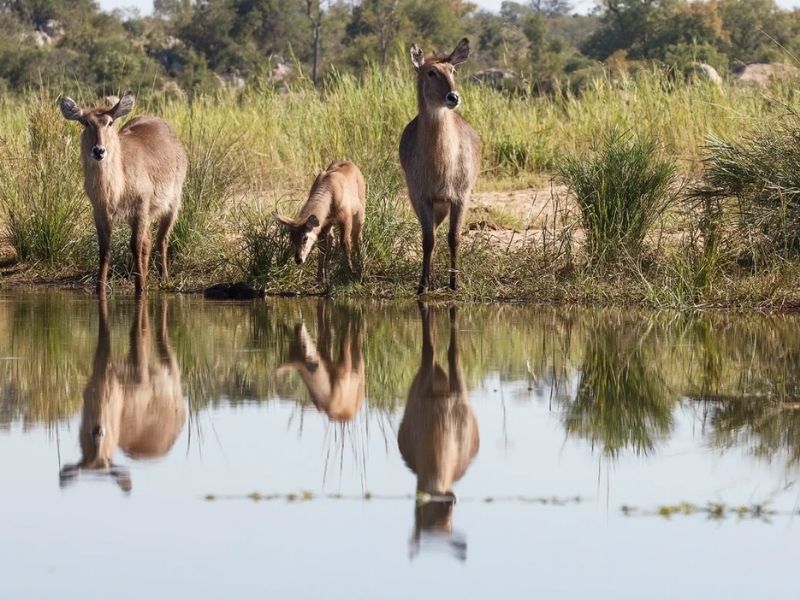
<point x="251" y="151"/>
<point x="216" y="167"/>
<point x="622" y="188"/>
<point x="42" y="202"/>
<point x="752" y="185"/>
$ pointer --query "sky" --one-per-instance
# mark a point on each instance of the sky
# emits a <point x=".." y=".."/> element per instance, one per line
<point x="146" y="6"/>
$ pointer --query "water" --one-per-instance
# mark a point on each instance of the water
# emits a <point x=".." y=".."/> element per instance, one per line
<point x="305" y="449"/>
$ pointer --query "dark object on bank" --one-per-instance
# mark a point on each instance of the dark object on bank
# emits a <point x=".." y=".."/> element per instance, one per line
<point x="232" y="291"/>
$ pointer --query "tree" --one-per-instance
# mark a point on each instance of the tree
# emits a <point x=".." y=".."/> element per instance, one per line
<point x="756" y="30"/>
<point x="551" y="8"/>
<point x="315" y="16"/>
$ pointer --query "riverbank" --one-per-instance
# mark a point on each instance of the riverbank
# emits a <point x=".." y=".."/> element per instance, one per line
<point x="711" y="233"/>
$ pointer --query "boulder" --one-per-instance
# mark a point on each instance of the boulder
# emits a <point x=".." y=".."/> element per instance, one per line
<point x="707" y="72"/>
<point x="763" y="74"/>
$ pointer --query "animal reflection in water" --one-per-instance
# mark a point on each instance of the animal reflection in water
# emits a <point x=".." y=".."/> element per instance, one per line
<point x="336" y="387"/>
<point x="438" y="438"/>
<point x="135" y="405"/>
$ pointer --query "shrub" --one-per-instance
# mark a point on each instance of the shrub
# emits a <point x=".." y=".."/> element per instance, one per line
<point x="755" y="183"/>
<point x="622" y="189"/>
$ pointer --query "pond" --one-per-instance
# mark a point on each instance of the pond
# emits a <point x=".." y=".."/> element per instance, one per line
<point x="304" y="448"/>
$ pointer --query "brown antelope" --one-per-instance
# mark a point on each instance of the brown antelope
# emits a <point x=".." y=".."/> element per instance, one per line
<point x="136" y="405"/>
<point x="338" y="197"/>
<point x="438" y="436"/>
<point x="440" y="155"/>
<point x="336" y="387"/>
<point x="135" y="174"/>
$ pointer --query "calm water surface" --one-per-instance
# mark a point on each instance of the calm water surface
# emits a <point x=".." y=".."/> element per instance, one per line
<point x="305" y="449"/>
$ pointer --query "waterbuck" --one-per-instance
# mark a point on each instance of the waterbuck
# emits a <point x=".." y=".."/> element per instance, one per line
<point x="136" y="404"/>
<point x="440" y="155"/>
<point x="438" y="436"/>
<point x="135" y="174"/>
<point x="336" y="386"/>
<point x="338" y="197"/>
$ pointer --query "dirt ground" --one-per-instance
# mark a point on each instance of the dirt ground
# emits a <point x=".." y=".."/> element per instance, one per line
<point x="510" y="218"/>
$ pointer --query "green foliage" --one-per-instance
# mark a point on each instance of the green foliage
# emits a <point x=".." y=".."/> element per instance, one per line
<point x="266" y="254"/>
<point x="755" y="183"/>
<point x="215" y="172"/>
<point x="622" y="188"/>
<point x="41" y="193"/>
<point x="59" y="43"/>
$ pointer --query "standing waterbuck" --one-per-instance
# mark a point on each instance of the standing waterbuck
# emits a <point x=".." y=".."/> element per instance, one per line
<point x="440" y="154"/>
<point x="338" y="197"/>
<point x="135" y="174"/>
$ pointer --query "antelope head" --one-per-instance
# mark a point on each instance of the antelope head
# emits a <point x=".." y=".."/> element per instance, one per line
<point x="303" y="235"/>
<point x="99" y="138"/>
<point x="436" y="84"/>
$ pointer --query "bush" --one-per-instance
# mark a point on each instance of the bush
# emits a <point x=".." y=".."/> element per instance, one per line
<point x="755" y="183"/>
<point x="622" y="189"/>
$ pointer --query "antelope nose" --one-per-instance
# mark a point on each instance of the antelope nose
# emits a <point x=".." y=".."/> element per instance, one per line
<point x="99" y="152"/>
<point x="298" y="260"/>
<point x="97" y="432"/>
<point x="452" y="99"/>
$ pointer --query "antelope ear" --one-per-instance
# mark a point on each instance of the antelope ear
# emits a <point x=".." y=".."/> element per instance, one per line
<point x="70" y="109"/>
<point x="460" y="53"/>
<point x="285" y="221"/>
<point x="123" y="107"/>
<point x="311" y="222"/>
<point x="417" y="56"/>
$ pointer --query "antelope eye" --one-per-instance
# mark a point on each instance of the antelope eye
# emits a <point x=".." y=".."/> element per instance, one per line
<point x="432" y="73"/>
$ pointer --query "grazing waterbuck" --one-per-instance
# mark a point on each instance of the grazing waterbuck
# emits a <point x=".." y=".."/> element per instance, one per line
<point x="338" y="197"/>
<point x="135" y="174"/>
<point x="438" y="436"/>
<point x="440" y="155"/>
<point x="336" y="384"/>
<point x="136" y="404"/>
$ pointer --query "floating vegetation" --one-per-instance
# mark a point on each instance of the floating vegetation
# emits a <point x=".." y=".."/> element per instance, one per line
<point x="715" y="511"/>
<point x="421" y="498"/>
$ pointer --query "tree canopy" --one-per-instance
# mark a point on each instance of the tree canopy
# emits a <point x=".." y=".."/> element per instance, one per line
<point x="195" y="45"/>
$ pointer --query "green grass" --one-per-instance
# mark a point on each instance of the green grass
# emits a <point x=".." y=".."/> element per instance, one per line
<point x="622" y="188"/>
<point x="752" y="183"/>
<point x="42" y="202"/>
<point x="254" y="152"/>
